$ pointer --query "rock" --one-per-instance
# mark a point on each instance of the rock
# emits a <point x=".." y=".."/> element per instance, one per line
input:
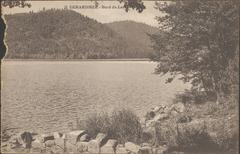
<point x="163" y="108"/>
<point x="13" y="143"/>
<point x="46" y="137"/>
<point x="167" y="109"/>
<point x="146" y="150"/>
<point x="156" y="109"/>
<point x="152" y="114"/>
<point x="120" y="145"/>
<point x="132" y="147"/>
<point x="37" y="150"/>
<point x="84" y="138"/>
<point x="120" y="149"/>
<point x="37" y="146"/>
<point x="65" y="145"/>
<point x="57" y="150"/>
<point x="160" y="150"/>
<point x="146" y="145"/>
<point x="27" y="139"/>
<point x="112" y="143"/>
<point x="64" y="136"/>
<point x="101" y="139"/>
<point x="57" y="135"/>
<point x="179" y="107"/>
<point x="184" y="119"/>
<point x="21" y="140"/>
<point x="74" y="136"/>
<point x="4" y="144"/>
<point x="82" y="147"/>
<point x="160" y="117"/>
<point x="94" y="147"/>
<point x="109" y="147"/>
<point x="177" y="152"/>
<point x="150" y="123"/>
<point x="49" y="143"/>
<point x="21" y="150"/>
<point x="71" y="147"/>
<point x="174" y="113"/>
<point x="60" y="142"/>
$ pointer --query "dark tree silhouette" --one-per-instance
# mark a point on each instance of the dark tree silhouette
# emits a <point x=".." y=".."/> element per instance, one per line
<point x="199" y="40"/>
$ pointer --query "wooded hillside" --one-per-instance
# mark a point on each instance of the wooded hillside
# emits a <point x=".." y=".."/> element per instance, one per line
<point x="65" y="34"/>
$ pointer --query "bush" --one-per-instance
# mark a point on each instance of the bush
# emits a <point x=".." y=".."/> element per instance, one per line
<point x="200" y="135"/>
<point x="96" y="123"/>
<point x="187" y="137"/>
<point x="125" y="126"/>
<point x="195" y="138"/>
<point x="194" y="97"/>
<point x="122" y="125"/>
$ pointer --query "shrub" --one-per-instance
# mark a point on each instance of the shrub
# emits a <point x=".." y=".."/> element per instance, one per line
<point x="202" y="135"/>
<point x="125" y="126"/>
<point x="226" y="133"/>
<point x="122" y="125"/>
<point x="166" y="133"/>
<point x="194" y="96"/>
<point x="185" y="136"/>
<point x="96" y="123"/>
<point x="195" y="138"/>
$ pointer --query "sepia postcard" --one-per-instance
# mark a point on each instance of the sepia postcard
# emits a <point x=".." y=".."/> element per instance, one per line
<point x="119" y="77"/>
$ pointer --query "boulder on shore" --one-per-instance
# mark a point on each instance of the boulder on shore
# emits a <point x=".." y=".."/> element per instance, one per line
<point x="179" y="107"/>
<point x="57" y="135"/>
<point x="120" y="149"/>
<point x="84" y="138"/>
<point x="49" y="143"/>
<point x="82" y="147"/>
<point x="74" y="136"/>
<point x="101" y="139"/>
<point x="132" y="147"/>
<point x="46" y="137"/>
<point x="24" y="140"/>
<point x="146" y="150"/>
<point x="109" y="147"/>
<point x="94" y="147"/>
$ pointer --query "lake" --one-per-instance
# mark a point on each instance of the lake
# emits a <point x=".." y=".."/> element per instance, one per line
<point x="45" y="96"/>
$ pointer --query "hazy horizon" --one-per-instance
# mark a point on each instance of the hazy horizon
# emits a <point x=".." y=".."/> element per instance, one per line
<point x="101" y="15"/>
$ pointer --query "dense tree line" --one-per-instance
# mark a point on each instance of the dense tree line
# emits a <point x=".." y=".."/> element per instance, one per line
<point x="200" y="40"/>
<point x="114" y="48"/>
<point x="61" y="34"/>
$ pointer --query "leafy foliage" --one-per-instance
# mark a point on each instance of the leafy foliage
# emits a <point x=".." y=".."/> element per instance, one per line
<point x="134" y="4"/>
<point x="199" y="40"/>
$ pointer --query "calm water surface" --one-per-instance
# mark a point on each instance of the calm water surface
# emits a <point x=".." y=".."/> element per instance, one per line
<point x="44" y="96"/>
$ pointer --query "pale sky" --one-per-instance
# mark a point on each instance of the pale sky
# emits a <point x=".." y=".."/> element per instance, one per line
<point x="100" y="14"/>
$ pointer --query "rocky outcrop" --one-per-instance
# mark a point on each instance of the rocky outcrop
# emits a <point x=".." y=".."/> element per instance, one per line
<point x="162" y="113"/>
<point x="75" y="142"/>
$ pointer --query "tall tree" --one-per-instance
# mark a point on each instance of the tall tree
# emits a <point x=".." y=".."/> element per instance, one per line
<point x="199" y="40"/>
